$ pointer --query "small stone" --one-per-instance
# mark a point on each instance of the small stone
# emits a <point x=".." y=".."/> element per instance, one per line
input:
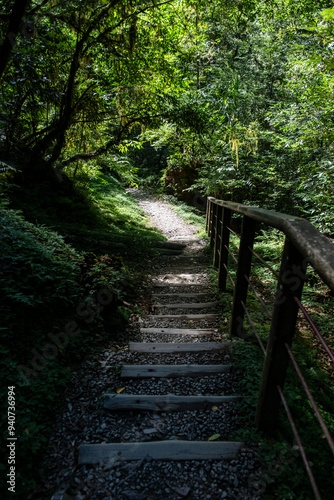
<point x="150" y="431"/>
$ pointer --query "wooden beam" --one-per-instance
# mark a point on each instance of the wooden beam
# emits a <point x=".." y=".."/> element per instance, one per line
<point x="170" y="402"/>
<point x="179" y="331"/>
<point x="181" y="295"/>
<point x="283" y="324"/>
<point x="187" y="305"/>
<point x="243" y="271"/>
<point x="183" y="316"/>
<point x="171" y="348"/>
<point x="172" y="371"/>
<point x="159" y="450"/>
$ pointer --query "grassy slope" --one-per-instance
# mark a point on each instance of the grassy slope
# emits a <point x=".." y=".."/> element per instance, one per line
<point x="51" y="283"/>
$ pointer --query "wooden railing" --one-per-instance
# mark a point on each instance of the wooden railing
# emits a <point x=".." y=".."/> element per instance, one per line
<point x="304" y="245"/>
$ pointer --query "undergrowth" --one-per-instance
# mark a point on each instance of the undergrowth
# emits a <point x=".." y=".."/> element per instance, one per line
<point x="70" y="266"/>
<point x="284" y="472"/>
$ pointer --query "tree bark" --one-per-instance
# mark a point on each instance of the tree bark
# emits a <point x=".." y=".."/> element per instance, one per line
<point x="15" y="21"/>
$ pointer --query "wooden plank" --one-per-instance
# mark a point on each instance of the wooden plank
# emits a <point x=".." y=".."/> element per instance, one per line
<point x="183" y="316"/>
<point x="186" y="276"/>
<point x="185" y="270"/>
<point x="181" y="295"/>
<point x="159" y="450"/>
<point x="170" y="402"/>
<point x="224" y="249"/>
<point x="168" y="251"/>
<point x="172" y="371"/>
<point x="179" y="331"/>
<point x="171" y="244"/>
<point x="171" y="348"/>
<point x="282" y="330"/>
<point x="186" y="258"/>
<point x="187" y="305"/>
<point x="243" y="270"/>
<point x="171" y="285"/>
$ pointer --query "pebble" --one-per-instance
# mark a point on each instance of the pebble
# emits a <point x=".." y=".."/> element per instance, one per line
<point x="150" y="479"/>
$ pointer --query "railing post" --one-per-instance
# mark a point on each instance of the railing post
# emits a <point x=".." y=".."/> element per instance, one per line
<point x="224" y="245"/>
<point x="243" y="269"/>
<point x="218" y="231"/>
<point x="213" y="224"/>
<point x="210" y="216"/>
<point x="207" y="219"/>
<point x="290" y="284"/>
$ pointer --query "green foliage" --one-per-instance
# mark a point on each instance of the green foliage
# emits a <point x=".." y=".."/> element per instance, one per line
<point x="284" y="473"/>
<point x="60" y="304"/>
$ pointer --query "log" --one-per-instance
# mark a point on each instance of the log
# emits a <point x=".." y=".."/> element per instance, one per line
<point x="172" y="371"/>
<point x="170" y="402"/>
<point x="168" y="347"/>
<point x="159" y="450"/>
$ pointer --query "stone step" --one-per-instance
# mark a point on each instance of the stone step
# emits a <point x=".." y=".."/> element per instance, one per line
<point x="183" y="276"/>
<point x="171" y="348"/>
<point x="186" y="284"/>
<point x="168" y="251"/>
<point x="184" y="270"/>
<point x="170" y="402"/>
<point x="187" y="240"/>
<point x="174" y="245"/>
<point x="187" y="305"/>
<point x="180" y="331"/>
<point x="158" y="450"/>
<point x="181" y="295"/>
<point x="183" y="316"/>
<point x="172" y="371"/>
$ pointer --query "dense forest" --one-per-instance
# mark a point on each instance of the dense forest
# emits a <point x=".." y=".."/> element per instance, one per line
<point x="235" y="96"/>
<point x="185" y="97"/>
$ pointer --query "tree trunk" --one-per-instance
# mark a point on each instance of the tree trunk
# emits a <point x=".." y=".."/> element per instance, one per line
<point x="15" y="20"/>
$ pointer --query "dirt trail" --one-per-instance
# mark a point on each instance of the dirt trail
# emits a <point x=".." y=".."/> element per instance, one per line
<point x="86" y="422"/>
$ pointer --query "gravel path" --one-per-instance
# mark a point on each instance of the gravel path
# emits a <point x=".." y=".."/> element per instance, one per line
<point x="86" y="421"/>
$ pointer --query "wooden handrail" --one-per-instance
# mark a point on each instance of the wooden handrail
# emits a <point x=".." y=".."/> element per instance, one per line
<point x="304" y="245"/>
<point x="312" y="244"/>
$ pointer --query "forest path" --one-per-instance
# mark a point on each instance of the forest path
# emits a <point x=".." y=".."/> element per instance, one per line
<point x="162" y="429"/>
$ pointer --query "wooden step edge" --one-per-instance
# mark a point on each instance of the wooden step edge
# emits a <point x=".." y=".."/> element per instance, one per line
<point x="182" y="295"/>
<point x="167" y="251"/>
<point x="179" y="275"/>
<point x="159" y="450"/>
<point x="168" y="403"/>
<point x="172" y="371"/>
<point x="171" y="285"/>
<point x="171" y="348"/>
<point x="182" y="316"/>
<point x="187" y="305"/>
<point x="179" y="331"/>
<point x="174" y="245"/>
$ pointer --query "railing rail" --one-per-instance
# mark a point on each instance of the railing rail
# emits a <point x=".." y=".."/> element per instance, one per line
<point x="304" y="245"/>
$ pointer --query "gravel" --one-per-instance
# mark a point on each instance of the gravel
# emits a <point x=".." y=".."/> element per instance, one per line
<point x="84" y="420"/>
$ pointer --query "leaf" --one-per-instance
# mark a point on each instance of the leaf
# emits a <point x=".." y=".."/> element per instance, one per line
<point x="120" y="389"/>
<point x="214" y="437"/>
<point x="214" y="408"/>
